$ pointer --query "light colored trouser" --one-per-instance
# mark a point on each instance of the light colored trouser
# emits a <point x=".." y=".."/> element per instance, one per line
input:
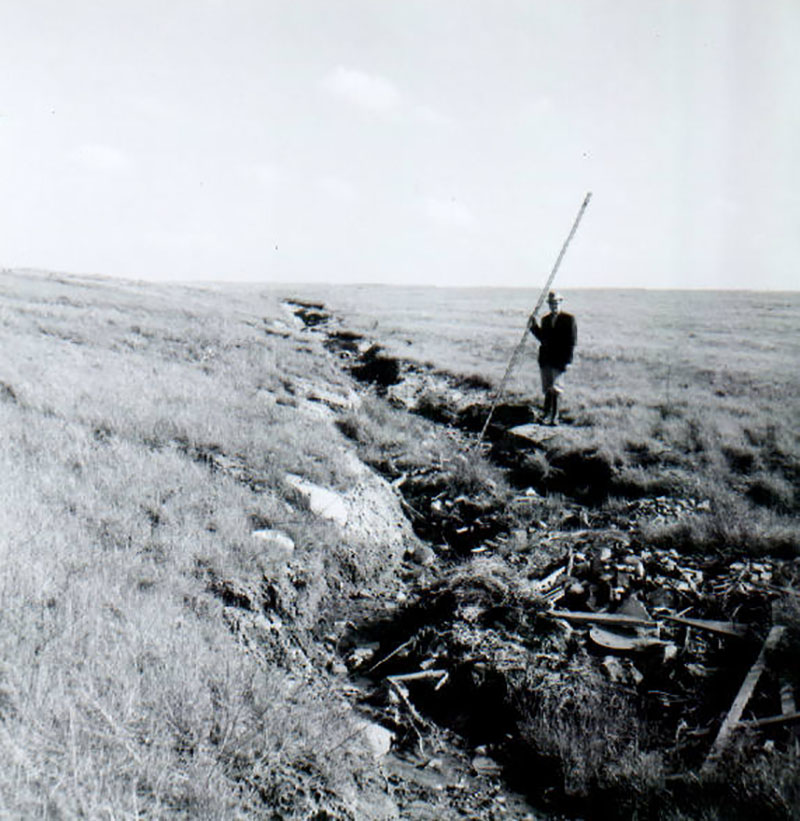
<point x="551" y="378"/>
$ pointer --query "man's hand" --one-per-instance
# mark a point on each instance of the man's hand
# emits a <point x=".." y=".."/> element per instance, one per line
<point x="532" y="322"/>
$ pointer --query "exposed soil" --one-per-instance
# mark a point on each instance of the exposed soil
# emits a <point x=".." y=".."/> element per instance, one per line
<point x="476" y="648"/>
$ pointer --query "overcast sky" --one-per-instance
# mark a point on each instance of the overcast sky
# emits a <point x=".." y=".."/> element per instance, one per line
<point x="399" y="141"/>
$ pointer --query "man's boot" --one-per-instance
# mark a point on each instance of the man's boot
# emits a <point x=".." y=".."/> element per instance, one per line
<point x="548" y="401"/>
<point x="554" y="408"/>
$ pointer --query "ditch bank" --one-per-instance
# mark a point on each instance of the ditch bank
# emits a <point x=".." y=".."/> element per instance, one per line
<point x="546" y="460"/>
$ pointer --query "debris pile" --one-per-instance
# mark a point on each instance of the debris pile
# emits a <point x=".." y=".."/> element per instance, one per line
<point x="691" y="645"/>
<point x="453" y="521"/>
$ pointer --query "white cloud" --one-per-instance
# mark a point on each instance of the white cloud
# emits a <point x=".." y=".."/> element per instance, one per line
<point x="377" y="94"/>
<point x="104" y="158"/>
<point x="368" y="91"/>
<point x="448" y="212"/>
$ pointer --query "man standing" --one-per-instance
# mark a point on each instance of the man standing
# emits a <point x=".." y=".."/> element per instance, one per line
<point x="557" y="336"/>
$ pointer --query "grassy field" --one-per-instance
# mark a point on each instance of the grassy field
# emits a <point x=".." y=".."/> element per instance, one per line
<point x="159" y="660"/>
<point x="146" y="434"/>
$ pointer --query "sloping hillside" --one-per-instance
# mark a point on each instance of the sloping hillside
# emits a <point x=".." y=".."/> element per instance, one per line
<point x="162" y="577"/>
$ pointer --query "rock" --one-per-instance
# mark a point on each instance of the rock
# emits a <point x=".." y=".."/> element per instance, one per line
<point x="361" y="655"/>
<point x="636" y="567"/>
<point x="610" y="640"/>
<point x="323" y="502"/>
<point x="699" y="670"/>
<point x="633" y="607"/>
<point x="315" y="409"/>
<point x="421" y="810"/>
<point x="614" y="669"/>
<point x="518" y="539"/>
<point x="662" y="597"/>
<point x="622" y="671"/>
<point x="378" y="738"/>
<point x="280" y="542"/>
<point x="334" y="401"/>
<point x="422" y="555"/>
<point x="670" y="652"/>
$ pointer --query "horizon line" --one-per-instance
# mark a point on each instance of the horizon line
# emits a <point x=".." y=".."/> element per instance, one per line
<point x="375" y="284"/>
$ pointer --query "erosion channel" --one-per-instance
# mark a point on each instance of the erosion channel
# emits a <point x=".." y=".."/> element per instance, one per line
<point x="541" y="638"/>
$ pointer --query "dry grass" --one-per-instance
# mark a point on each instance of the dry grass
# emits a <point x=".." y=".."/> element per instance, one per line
<point x="145" y="429"/>
<point x="398" y="442"/>
<point x="591" y="728"/>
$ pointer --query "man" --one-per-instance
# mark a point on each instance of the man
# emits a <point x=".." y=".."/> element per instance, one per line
<point x="557" y="336"/>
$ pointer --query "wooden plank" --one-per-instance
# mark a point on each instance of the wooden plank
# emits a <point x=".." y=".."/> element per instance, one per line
<point x="391" y="655"/>
<point x="724" y="628"/>
<point x="789" y="707"/>
<point x="743" y="696"/>
<point x="790" y="591"/>
<point x="619" y="619"/>
<point x="548" y="581"/>
<point x="772" y="721"/>
<point x="417" y="676"/>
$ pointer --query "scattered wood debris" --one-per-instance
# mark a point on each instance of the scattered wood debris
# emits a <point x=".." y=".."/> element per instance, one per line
<point x="743" y="696"/>
<point x="672" y="631"/>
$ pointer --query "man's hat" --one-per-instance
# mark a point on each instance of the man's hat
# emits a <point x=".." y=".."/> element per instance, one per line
<point x="554" y="296"/>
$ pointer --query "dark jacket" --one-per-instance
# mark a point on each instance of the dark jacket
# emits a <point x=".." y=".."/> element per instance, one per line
<point x="557" y="336"/>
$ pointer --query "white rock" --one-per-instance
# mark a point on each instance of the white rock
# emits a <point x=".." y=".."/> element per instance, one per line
<point x="275" y="539"/>
<point x="379" y="738"/>
<point x="332" y="400"/>
<point x="316" y="410"/>
<point x="323" y="502"/>
<point x="361" y="655"/>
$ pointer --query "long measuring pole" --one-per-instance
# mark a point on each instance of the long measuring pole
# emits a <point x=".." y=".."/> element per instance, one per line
<point x="539" y="303"/>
